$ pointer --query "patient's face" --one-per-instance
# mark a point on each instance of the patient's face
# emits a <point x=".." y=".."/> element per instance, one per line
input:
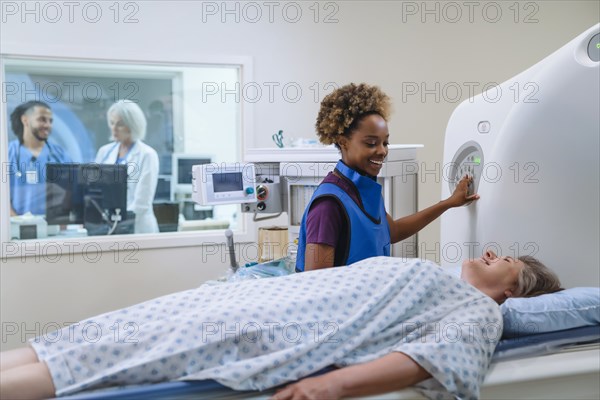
<point x="493" y="275"/>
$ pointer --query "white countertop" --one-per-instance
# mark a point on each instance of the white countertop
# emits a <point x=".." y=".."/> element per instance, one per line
<point x="397" y="152"/>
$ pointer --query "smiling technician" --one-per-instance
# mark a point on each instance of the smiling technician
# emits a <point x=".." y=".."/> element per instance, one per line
<point x="346" y="220"/>
<point x="32" y="124"/>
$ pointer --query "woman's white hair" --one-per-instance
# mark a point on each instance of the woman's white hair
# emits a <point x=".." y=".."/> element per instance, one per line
<point x="132" y="116"/>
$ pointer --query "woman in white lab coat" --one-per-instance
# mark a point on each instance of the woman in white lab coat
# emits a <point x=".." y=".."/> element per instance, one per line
<point x="128" y="128"/>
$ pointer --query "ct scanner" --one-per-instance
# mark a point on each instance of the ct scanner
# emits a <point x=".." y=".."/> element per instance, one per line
<point x="532" y="146"/>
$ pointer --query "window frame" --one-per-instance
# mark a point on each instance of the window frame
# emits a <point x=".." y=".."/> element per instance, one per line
<point x="52" y="246"/>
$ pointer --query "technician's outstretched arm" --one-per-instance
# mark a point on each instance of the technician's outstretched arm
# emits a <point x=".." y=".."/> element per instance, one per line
<point x="391" y="372"/>
<point x="405" y="227"/>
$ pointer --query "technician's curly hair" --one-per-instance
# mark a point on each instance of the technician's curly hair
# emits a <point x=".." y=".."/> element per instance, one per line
<point x="342" y="110"/>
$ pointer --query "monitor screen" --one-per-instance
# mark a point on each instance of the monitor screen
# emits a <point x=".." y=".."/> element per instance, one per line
<point x="64" y="195"/>
<point x="80" y="193"/>
<point x="107" y="183"/>
<point x="184" y="168"/>
<point x="227" y="182"/>
<point x="163" y="188"/>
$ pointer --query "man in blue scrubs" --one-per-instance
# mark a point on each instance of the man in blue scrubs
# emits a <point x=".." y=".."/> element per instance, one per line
<point x="32" y="123"/>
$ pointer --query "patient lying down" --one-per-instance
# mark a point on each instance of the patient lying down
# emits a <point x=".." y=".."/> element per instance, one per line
<point x="388" y="323"/>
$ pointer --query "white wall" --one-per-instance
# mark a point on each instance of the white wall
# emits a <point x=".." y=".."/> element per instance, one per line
<point x="372" y="42"/>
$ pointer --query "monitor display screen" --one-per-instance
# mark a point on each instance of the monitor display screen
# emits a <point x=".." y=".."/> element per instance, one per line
<point x="184" y="169"/>
<point x="163" y="189"/>
<point x="80" y="193"/>
<point x="107" y="183"/>
<point x="227" y="182"/>
<point x="64" y="195"/>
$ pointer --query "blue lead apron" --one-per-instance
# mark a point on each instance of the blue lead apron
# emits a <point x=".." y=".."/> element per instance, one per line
<point x="369" y="233"/>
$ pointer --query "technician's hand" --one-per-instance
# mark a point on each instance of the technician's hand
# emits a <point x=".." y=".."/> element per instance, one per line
<point x="316" y="388"/>
<point x="462" y="195"/>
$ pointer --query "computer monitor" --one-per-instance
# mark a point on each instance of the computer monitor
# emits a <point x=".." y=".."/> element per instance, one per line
<point x="85" y="193"/>
<point x="163" y="189"/>
<point x="64" y="195"/>
<point x="182" y="171"/>
<point x="105" y="190"/>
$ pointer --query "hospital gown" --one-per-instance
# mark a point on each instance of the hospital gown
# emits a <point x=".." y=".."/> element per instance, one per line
<point x="257" y="334"/>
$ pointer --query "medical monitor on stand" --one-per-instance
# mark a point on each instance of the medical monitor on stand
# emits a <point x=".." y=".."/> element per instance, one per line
<point x="94" y="195"/>
<point x="181" y="185"/>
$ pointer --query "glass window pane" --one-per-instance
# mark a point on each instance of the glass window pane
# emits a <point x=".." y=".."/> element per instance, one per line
<point x="185" y="126"/>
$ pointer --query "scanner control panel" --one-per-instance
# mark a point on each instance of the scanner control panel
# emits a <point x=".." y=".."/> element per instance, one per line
<point x="468" y="160"/>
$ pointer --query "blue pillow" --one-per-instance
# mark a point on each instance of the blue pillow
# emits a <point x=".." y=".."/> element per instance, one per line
<point x="570" y="308"/>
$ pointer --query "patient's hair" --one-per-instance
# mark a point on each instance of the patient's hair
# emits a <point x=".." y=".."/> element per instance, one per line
<point x="536" y="279"/>
<point x="342" y="110"/>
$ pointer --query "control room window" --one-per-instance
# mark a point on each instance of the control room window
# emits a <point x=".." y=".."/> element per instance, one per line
<point x="99" y="174"/>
